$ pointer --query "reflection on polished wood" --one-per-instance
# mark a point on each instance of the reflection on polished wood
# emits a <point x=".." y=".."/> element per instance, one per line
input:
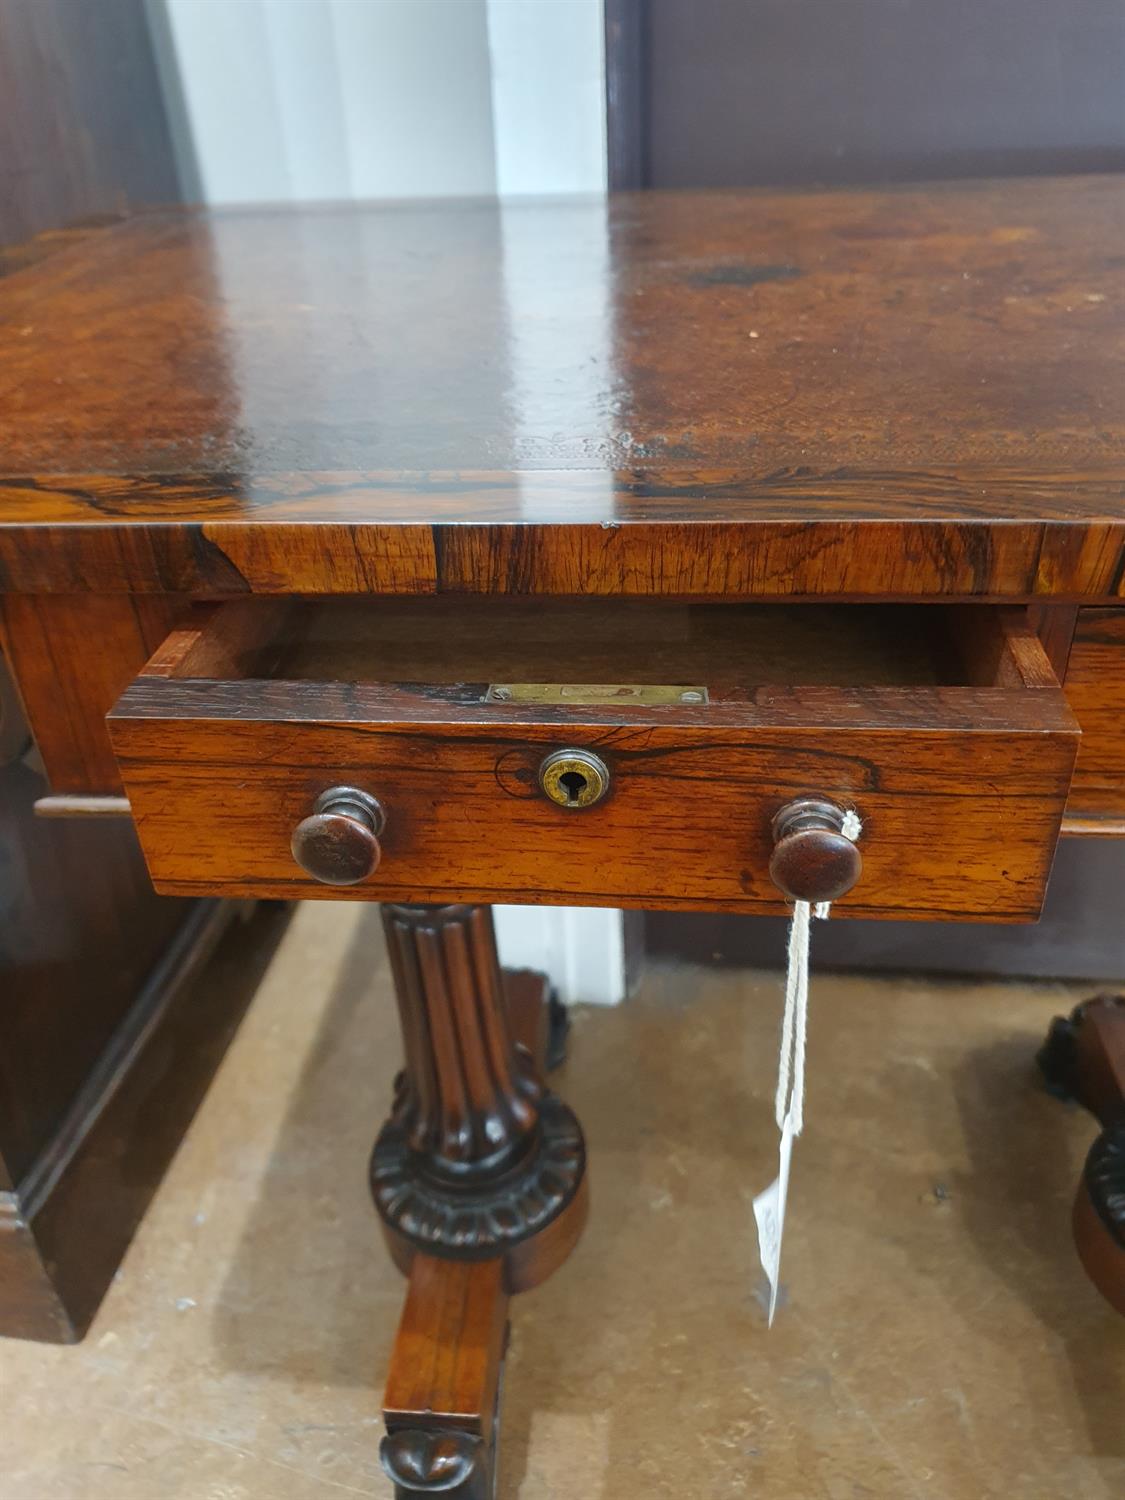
<point x="705" y="395"/>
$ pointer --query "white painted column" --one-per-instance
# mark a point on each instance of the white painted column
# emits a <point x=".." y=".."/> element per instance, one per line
<point x="222" y="57"/>
<point x="332" y="99"/>
<point x="415" y="90"/>
<point x="548" y="95"/>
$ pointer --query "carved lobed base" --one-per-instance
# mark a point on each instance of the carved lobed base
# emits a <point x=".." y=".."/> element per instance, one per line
<point x="440" y="1217"/>
<point x="1083" y="1059"/>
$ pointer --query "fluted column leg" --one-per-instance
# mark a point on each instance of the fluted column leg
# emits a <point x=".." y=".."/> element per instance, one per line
<point x="479" y="1178"/>
<point x="478" y="1160"/>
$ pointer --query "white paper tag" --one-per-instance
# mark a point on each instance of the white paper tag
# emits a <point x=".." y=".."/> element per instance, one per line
<point x="769" y="1212"/>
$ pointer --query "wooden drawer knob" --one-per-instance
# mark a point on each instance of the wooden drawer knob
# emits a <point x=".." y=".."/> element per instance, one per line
<point x="813" y="859"/>
<point x="338" y="844"/>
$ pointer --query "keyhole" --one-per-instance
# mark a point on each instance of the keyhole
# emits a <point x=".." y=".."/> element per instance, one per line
<point x="574" y="778"/>
<point x="574" y="784"/>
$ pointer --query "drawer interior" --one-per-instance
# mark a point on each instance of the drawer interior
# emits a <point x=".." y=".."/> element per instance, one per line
<point x="729" y="650"/>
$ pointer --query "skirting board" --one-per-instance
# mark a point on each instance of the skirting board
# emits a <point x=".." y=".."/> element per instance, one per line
<point x="590" y="954"/>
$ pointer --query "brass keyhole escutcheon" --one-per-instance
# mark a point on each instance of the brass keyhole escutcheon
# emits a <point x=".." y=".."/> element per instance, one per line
<point x="574" y="778"/>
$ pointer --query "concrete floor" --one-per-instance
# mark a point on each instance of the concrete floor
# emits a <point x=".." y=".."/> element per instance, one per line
<point x="938" y="1338"/>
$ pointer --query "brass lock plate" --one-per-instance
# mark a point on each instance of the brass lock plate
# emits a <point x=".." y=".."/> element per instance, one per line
<point x="574" y="778"/>
<point x="593" y="692"/>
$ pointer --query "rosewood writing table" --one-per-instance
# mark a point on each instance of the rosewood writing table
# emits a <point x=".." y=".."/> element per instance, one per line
<point x="440" y="555"/>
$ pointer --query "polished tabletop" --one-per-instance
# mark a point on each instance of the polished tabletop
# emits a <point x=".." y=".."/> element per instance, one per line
<point x="909" y="392"/>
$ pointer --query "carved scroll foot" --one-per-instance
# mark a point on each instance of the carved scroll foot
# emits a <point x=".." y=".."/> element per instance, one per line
<point x="442" y="1400"/>
<point x="1083" y="1059"/>
<point x="431" y="1463"/>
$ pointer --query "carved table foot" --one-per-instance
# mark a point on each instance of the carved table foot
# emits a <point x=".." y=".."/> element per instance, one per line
<point x="479" y="1178"/>
<point x="1083" y="1059"/>
<point x="442" y="1401"/>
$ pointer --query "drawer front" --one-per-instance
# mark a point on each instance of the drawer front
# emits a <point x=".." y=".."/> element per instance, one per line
<point x="960" y="792"/>
<point x="1095" y="689"/>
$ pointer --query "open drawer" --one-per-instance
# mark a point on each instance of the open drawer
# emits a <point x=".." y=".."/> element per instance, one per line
<point x="686" y="728"/>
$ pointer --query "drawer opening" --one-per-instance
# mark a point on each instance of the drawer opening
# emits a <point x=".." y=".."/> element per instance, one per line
<point x="721" y="652"/>
<point x="942" y="727"/>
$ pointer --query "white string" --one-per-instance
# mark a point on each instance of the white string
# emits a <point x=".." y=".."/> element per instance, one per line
<point x="794" y="1024"/>
<point x="789" y="1106"/>
<point x="851" y="827"/>
<point x="790" y="1099"/>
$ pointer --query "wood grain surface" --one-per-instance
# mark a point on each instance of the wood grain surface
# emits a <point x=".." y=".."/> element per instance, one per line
<point x="219" y="772"/>
<point x="906" y="393"/>
<point x="447" y="1356"/>
<point x="72" y="656"/>
<point x="1095" y="689"/>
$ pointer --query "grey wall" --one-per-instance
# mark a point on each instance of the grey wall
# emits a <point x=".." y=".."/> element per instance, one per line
<point x="745" y="92"/>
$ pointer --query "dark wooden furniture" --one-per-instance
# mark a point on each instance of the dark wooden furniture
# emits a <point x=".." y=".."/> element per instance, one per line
<point x="1084" y="1059"/>
<point x="84" y="130"/>
<point x="437" y="556"/>
<point x="113" y="1019"/>
<point x="99" y="1013"/>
